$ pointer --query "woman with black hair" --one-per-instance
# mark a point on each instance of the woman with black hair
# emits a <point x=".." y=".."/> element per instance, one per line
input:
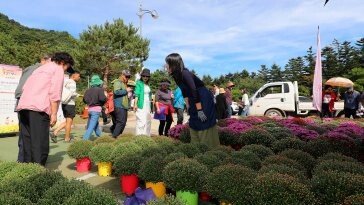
<point x="199" y="101"/>
<point x="38" y="106"/>
<point x="163" y="104"/>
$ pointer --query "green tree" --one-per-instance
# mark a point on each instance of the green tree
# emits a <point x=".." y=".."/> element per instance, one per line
<point x="109" y="48"/>
<point x="276" y="73"/>
<point x="264" y="73"/>
<point x="207" y="80"/>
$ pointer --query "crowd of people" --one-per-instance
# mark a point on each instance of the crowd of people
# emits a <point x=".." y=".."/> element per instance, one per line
<point x="42" y="89"/>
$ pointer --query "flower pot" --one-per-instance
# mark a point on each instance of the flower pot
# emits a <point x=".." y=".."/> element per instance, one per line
<point x="104" y="169"/>
<point x="204" y="196"/>
<point x="129" y="183"/>
<point x="190" y="198"/>
<point x="225" y="203"/>
<point x="83" y="164"/>
<point x="159" y="188"/>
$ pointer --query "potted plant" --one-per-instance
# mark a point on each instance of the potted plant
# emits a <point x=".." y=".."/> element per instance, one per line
<point x="80" y="150"/>
<point x="150" y="171"/>
<point x="186" y="176"/>
<point x="101" y="154"/>
<point x="125" y="148"/>
<point x="231" y="184"/>
<point x="127" y="166"/>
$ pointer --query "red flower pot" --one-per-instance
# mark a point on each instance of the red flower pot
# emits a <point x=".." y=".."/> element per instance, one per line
<point x="129" y="183"/>
<point x="204" y="196"/>
<point x="83" y="164"/>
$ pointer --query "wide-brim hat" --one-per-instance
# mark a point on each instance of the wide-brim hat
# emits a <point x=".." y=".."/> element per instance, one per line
<point x="230" y="84"/>
<point x="165" y="82"/>
<point x="126" y="73"/>
<point x="222" y="91"/>
<point x="145" y="72"/>
<point x="96" y="80"/>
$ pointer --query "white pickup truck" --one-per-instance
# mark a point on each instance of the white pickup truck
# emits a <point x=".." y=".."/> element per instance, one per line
<point x="281" y="99"/>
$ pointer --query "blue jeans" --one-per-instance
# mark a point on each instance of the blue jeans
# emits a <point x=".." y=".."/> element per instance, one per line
<point x="229" y="111"/>
<point x="92" y="125"/>
<point x="245" y="111"/>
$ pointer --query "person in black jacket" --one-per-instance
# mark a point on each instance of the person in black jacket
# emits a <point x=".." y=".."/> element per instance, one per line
<point x="221" y="105"/>
<point x="94" y="98"/>
<point x="199" y="101"/>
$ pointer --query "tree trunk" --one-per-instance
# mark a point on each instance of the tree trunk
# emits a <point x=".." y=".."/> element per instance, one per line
<point x="106" y="75"/>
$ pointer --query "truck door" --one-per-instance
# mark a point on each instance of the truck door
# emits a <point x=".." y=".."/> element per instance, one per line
<point x="270" y="97"/>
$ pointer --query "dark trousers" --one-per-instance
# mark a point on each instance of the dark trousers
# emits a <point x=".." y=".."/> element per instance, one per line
<point x="179" y="116"/>
<point x="165" y="125"/>
<point x="350" y="112"/>
<point x="104" y="115"/>
<point x="34" y="128"/>
<point x="119" y="118"/>
<point x="20" y="143"/>
<point x="326" y="111"/>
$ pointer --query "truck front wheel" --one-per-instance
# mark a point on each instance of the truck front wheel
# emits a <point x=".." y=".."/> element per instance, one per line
<point x="274" y="113"/>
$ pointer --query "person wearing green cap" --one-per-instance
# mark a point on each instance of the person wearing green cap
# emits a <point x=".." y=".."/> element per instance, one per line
<point x="94" y="98"/>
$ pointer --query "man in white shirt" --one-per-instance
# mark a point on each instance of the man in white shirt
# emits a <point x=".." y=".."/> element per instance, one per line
<point x="68" y="106"/>
<point x="245" y="103"/>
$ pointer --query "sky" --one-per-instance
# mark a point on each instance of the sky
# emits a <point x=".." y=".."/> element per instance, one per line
<point x="213" y="36"/>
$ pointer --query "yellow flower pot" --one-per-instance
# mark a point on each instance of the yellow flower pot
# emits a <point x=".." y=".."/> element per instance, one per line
<point x="104" y="168"/>
<point x="159" y="188"/>
<point x="225" y="203"/>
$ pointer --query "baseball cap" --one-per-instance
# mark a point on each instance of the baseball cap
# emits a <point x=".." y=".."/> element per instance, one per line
<point x="126" y="72"/>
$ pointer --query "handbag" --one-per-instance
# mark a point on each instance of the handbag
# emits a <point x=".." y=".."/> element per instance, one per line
<point x="161" y="115"/>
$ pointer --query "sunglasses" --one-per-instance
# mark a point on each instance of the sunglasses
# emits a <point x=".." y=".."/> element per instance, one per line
<point x="144" y="76"/>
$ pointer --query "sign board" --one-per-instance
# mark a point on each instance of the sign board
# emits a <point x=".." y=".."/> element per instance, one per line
<point x="9" y="79"/>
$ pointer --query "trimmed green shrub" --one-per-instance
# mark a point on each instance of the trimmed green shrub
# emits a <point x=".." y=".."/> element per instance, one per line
<point x="6" y="167"/>
<point x="281" y="160"/>
<point x="322" y="145"/>
<point x="124" y="138"/>
<point x="279" y="132"/>
<point x="283" y="169"/>
<point x="257" y="136"/>
<point x="318" y="128"/>
<point x="185" y="175"/>
<point x="209" y="160"/>
<point x="202" y="147"/>
<point x="153" y="150"/>
<point x="232" y="183"/>
<point x="190" y="150"/>
<point x="13" y="199"/>
<point x="228" y="137"/>
<point x="144" y="141"/>
<point x="246" y="158"/>
<point x="336" y="156"/>
<point x="174" y="156"/>
<point x="288" y="143"/>
<point x="167" y="200"/>
<point x="357" y="199"/>
<point x="223" y="156"/>
<point x="260" y="150"/>
<point x="223" y="148"/>
<point x="33" y="187"/>
<point x="102" y="153"/>
<point x="80" y="149"/>
<point x="21" y="172"/>
<point x="168" y="144"/>
<point x="127" y="164"/>
<point x="104" y="139"/>
<point x="281" y="189"/>
<point x="92" y="197"/>
<point x="151" y="169"/>
<point x="340" y="166"/>
<point x="301" y="157"/>
<point x="185" y="136"/>
<point x="125" y="148"/>
<point x="333" y="187"/>
<point x="61" y="191"/>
